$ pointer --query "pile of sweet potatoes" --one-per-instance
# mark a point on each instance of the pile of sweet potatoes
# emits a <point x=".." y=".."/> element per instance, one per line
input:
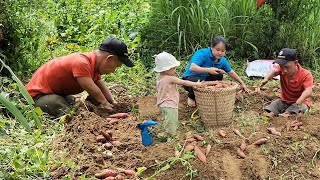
<point x="193" y="145"/>
<point x="217" y="84"/>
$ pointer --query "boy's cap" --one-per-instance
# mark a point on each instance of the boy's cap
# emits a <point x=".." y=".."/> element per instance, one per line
<point x="286" y="55"/>
<point x="114" y="46"/>
<point x="165" y="61"/>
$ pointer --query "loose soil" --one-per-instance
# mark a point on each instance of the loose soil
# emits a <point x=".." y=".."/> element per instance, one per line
<point x="293" y="155"/>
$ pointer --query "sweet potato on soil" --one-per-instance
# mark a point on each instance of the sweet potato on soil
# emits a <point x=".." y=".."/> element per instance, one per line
<point x="296" y="124"/>
<point x="108" y="146"/>
<point x="198" y="137"/>
<point x="114" y="121"/>
<point x="208" y="149"/>
<point x="273" y="131"/>
<point x="116" y="143"/>
<point x="288" y="126"/>
<point x="106" y="173"/>
<point x="222" y="133"/>
<point x="243" y="146"/>
<point x="190" y="140"/>
<point x="119" y="115"/>
<point x="241" y="153"/>
<point x="106" y="135"/>
<point x="100" y="138"/>
<point x="189" y="147"/>
<point x="200" y="154"/>
<point x="110" y="178"/>
<point x="237" y="132"/>
<point x="130" y="172"/>
<point x="260" y="141"/>
<point x="119" y="177"/>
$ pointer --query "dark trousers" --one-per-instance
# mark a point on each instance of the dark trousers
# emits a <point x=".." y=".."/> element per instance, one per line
<point x="191" y="95"/>
<point x="53" y="104"/>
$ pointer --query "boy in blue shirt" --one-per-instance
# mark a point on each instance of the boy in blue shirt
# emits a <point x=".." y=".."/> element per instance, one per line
<point x="209" y="64"/>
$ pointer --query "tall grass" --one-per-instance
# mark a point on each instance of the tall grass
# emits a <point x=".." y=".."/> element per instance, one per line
<point x="181" y="27"/>
<point x="14" y="110"/>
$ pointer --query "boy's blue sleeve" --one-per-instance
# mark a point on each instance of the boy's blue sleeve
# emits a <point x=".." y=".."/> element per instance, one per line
<point x="197" y="58"/>
<point x="226" y="66"/>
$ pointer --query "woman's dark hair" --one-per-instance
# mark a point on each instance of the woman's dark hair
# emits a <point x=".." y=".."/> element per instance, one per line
<point x="218" y="39"/>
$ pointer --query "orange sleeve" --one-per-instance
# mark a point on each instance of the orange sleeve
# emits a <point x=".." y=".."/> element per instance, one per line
<point x="81" y="68"/>
<point x="308" y="80"/>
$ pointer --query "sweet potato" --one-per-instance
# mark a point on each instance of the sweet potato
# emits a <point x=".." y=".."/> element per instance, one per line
<point x="237" y="132"/>
<point x="297" y="124"/>
<point x="241" y="153"/>
<point x="273" y="131"/>
<point x="119" y="115"/>
<point x="110" y="178"/>
<point x="106" y="173"/>
<point x="130" y="172"/>
<point x="295" y="128"/>
<point x="293" y="122"/>
<point x="110" y="119"/>
<point x="190" y="140"/>
<point x="119" y="177"/>
<point x="116" y="143"/>
<point x="260" y="141"/>
<point x="225" y="85"/>
<point x="218" y="86"/>
<point x="100" y="138"/>
<point x="198" y="137"/>
<point x="288" y="126"/>
<point x="200" y="154"/>
<point x="108" y="146"/>
<point x="189" y="147"/>
<point x="222" y="133"/>
<point x="114" y="121"/>
<point x="243" y="146"/>
<point x="106" y="135"/>
<point x="208" y="149"/>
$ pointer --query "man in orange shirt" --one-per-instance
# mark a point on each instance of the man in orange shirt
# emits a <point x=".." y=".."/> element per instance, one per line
<point x="296" y="85"/>
<point x="53" y="83"/>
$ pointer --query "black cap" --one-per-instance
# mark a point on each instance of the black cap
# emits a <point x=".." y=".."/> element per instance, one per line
<point x="286" y="55"/>
<point x="114" y="46"/>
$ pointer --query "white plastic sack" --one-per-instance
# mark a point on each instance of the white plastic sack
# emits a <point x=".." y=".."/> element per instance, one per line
<point x="259" y="68"/>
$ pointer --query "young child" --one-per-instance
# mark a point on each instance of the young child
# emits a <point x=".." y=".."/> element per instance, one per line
<point x="168" y="95"/>
<point x="209" y="64"/>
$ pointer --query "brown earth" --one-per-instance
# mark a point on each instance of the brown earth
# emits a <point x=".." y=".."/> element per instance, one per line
<point x="293" y="155"/>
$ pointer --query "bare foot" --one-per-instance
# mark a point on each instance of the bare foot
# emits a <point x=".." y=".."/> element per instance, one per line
<point x="191" y="102"/>
<point x="269" y="114"/>
<point x="285" y="114"/>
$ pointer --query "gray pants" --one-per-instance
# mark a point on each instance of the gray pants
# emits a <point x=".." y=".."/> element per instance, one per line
<point x="53" y="104"/>
<point x="278" y="107"/>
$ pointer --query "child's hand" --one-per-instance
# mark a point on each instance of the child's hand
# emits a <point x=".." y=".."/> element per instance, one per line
<point x="200" y="83"/>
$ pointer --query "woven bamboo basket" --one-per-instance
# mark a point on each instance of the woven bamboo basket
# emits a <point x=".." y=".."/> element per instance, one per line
<point x="216" y="104"/>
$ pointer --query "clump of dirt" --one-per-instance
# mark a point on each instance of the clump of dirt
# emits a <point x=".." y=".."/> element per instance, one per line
<point x="293" y="155"/>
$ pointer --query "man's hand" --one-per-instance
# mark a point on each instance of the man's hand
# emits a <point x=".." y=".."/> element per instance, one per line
<point x="263" y="82"/>
<point x="106" y="105"/>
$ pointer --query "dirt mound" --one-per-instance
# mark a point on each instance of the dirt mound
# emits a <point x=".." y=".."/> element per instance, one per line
<point x="293" y="155"/>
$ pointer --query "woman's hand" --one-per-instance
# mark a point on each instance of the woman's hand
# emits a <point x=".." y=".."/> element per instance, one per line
<point x="244" y="88"/>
